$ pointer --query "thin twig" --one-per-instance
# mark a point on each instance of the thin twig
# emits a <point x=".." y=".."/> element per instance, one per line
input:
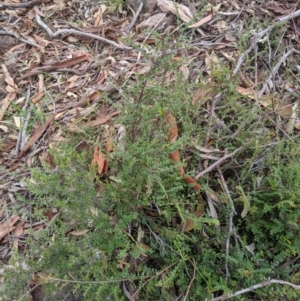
<point x="76" y="32"/>
<point x="192" y="280"/>
<point x="150" y="278"/>
<point x="218" y="163"/>
<point x="52" y="100"/>
<point x="211" y="114"/>
<point x="230" y="227"/>
<point x="254" y="287"/>
<point x="20" y="142"/>
<point x="273" y="72"/>
<point x="29" y="292"/>
<point x="136" y="15"/>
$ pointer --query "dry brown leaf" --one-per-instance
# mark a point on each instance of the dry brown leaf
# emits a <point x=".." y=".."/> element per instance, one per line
<point x="204" y="94"/>
<point x="152" y="22"/>
<point x="99" y="159"/>
<point x="266" y="101"/>
<point x="37" y="97"/>
<point x="8" y="225"/>
<point x="36" y="288"/>
<point x="172" y="127"/>
<point x="212" y="62"/>
<point x="175" y="156"/>
<point x="18" y="231"/>
<point x="183" y="12"/>
<point x="185" y="71"/>
<point x="11" y="88"/>
<point x="275" y="7"/>
<point x="203" y="20"/>
<point x="36" y="135"/>
<point x="8" y="78"/>
<point x="99" y="15"/>
<point x="5" y="104"/>
<point x="291" y="124"/>
<point x="189" y="223"/>
<point x="297" y="126"/>
<point x="192" y="181"/>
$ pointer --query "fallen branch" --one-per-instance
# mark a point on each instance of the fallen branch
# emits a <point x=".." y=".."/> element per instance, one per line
<point x="254" y="287"/>
<point x="21" y="5"/>
<point x="76" y="32"/>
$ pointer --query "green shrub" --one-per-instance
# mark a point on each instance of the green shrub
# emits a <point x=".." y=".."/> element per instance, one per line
<point x="134" y="239"/>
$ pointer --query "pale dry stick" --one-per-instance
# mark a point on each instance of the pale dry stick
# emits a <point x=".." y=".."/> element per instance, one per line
<point x="126" y="292"/>
<point x="254" y="287"/>
<point x="273" y="72"/>
<point x="270" y="54"/>
<point x="230" y="228"/>
<point x="191" y="282"/>
<point x="279" y="43"/>
<point x="255" y="64"/>
<point x="22" y="132"/>
<point x="77" y="32"/>
<point x="10" y="33"/>
<point x="23" y="137"/>
<point x="260" y="35"/>
<point x="136" y="15"/>
<point x="244" y="3"/>
<point x="218" y="163"/>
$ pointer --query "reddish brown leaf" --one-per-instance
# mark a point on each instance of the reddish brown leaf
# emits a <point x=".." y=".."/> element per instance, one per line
<point x="172" y="127"/>
<point x="175" y="156"/>
<point x="189" y="223"/>
<point x="49" y="215"/>
<point x="192" y="181"/>
<point x="98" y="159"/>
